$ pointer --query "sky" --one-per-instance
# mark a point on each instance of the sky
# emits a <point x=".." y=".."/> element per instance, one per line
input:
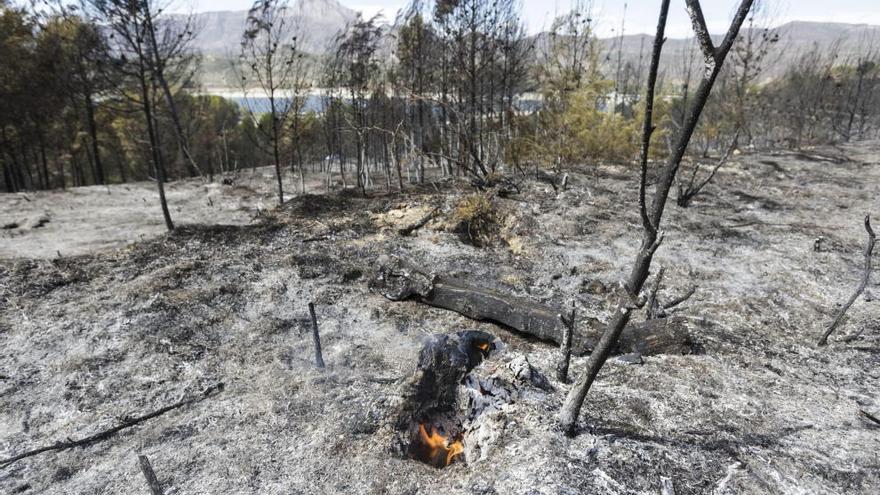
<point x="641" y="15"/>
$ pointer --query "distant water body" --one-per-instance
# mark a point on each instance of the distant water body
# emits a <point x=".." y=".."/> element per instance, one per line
<point x="314" y="103"/>
<point x="261" y="104"/>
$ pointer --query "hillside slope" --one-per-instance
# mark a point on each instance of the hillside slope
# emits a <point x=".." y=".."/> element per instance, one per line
<point x="87" y="340"/>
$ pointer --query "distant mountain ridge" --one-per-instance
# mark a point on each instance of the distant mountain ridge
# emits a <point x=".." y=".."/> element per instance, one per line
<point x="219" y="37"/>
<point x="795" y="38"/>
<point x="793" y="35"/>
<point x="219" y="33"/>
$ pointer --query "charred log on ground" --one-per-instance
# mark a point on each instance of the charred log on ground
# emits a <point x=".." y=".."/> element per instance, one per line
<point x="400" y="280"/>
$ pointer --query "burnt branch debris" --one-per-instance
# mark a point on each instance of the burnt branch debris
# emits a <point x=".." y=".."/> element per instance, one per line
<point x="316" y="337"/>
<point x="150" y="475"/>
<point x="111" y="432"/>
<point x="400" y="280"/>
<point x="866" y="276"/>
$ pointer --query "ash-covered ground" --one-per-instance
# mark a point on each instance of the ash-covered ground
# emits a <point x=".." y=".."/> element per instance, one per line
<point x="88" y="340"/>
<point x="82" y="220"/>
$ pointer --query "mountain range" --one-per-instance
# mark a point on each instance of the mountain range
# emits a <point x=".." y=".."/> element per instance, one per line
<point x="219" y="37"/>
<point x="220" y="33"/>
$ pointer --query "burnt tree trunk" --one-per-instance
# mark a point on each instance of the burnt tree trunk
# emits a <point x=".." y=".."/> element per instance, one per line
<point x="651" y="236"/>
<point x="399" y="280"/>
<point x="155" y="153"/>
<point x="93" y="138"/>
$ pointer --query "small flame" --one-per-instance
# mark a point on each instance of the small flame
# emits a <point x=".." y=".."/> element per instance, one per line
<point x="483" y="346"/>
<point x="439" y="451"/>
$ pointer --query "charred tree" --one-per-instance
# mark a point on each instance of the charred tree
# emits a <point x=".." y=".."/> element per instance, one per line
<point x="651" y="235"/>
<point x="271" y="62"/>
<point x="166" y="46"/>
<point x="133" y="59"/>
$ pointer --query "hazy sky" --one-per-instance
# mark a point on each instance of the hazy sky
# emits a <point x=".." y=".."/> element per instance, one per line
<point x="640" y="14"/>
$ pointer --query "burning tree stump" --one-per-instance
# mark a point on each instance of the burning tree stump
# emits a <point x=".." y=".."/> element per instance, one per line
<point x="430" y="427"/>
<point x="399" y="280"/>
<point x="454" y="405"/>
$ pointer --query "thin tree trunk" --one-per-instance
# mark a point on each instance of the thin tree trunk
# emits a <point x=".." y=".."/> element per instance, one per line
<point x="93" y="136"/>
<point x="154" y="149"/>
<point x="159" y="72"/>
<point x="44" y="163"/>
<point x="651" y="237"/>
<point x="8" y="170"/>
<point x="276" y="152"/>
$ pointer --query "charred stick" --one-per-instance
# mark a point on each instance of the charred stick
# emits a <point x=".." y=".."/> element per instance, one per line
<point x="869" y="250"/>
<point x="869" y="417"/>
<point x="720" y="163"/>
<point x="316" y="238"/>
<point x="680" y="299"/>
<point x="105" y="434"/>
<point x="319" y="358"/>
<point x="692" y="189"/>
<point x="405" y="231"/>
<point x="150" y="475"/>
<point x="654" y="310"/>
<point x="565" y="347"/>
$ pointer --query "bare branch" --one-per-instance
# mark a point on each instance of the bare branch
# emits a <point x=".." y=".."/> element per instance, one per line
<point x="688" y="192"/>
<point x="110" y="432"/>
<point x="870" y="417"/>
<point x="699" y="24"/>
<point x="680" y="299"/>
<point x="409" y="229"/>
<point x="648" y="127"/>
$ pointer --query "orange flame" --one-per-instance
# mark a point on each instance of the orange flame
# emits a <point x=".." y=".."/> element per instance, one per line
<point x="483" y="346"/>
<point x="439" y="451"/>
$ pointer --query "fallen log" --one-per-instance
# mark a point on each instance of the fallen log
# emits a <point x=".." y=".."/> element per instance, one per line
<point x="399" y="280"/>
